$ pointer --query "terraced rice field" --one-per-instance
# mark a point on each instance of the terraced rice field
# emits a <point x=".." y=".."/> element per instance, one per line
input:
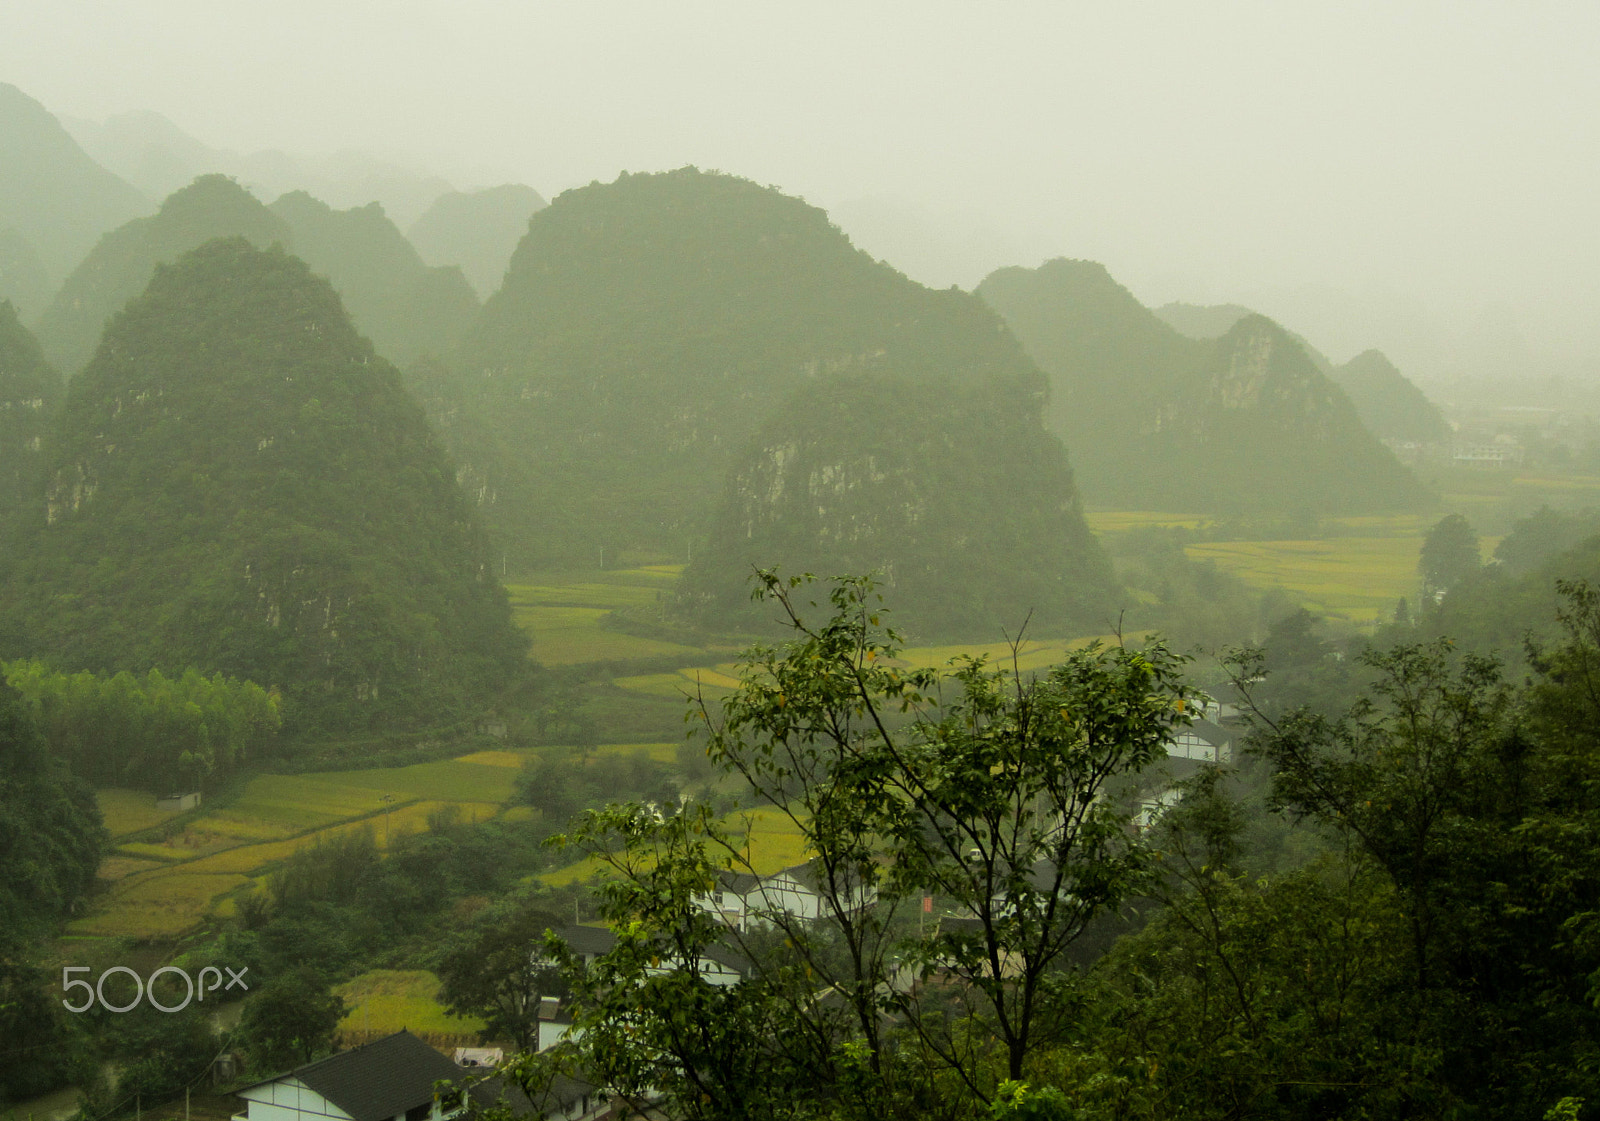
<point x="771" y="843"/>
<point x="163" y="889"/>
<point x="159" y="905"/>
<point x="1120" y="521"/>
<point x="129" y="811"/>
<point x="1357" y="579"/>
<point x="721" y="680"/>
<point x="562" y="615"/>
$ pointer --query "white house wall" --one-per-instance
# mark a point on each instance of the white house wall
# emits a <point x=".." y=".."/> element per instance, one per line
<point x="290" y="1100"/>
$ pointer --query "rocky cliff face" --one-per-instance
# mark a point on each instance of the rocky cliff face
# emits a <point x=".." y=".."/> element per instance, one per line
<point x="954" y="494"/>
<point x="240" y="483"/>
<point x="30" y="390"/>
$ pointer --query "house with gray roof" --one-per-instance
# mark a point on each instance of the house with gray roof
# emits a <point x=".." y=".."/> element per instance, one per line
<point x="389" y="1079"/>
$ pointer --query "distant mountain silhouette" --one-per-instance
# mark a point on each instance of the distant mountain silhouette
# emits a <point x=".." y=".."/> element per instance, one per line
<point x="53" y="197"/>
<point x="662" y="340"/>
<point x="406" y="308"/>
<point x="238" y="482"/>
<point x="156" y="155"/>
<point x="1201" y="321"/>
<point x="477" y="231"/>
<point x="1388" y="403"/>
<point x="23" y="279"/>
<point x="1157" y="420"/>
<point x="122" y="264"/>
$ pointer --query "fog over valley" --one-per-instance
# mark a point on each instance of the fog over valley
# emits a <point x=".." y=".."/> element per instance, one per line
<point x="746" y="562"/>
<point x="1418" y="177"/>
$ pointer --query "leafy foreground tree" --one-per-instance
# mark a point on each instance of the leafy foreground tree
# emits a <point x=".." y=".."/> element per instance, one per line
<point x="292" y="1020"/>
<point x="489" y="972"/>
<point x="1450" y="554"/>
<point x="993" y="792"/>
<point x="1476" y="809"/>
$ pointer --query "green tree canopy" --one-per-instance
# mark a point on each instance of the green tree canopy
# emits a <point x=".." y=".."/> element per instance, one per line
<point x="1450" y="554"/>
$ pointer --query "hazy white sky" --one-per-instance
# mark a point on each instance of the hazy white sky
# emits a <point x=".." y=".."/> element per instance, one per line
<point x="1434" y="163"/>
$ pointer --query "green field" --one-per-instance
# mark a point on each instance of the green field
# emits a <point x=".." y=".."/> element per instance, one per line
<point x="562" y="614"/>
<point x="385" y="1000"/>
<point x="1357" y="579"/>
<point x="129" y="811"/>
<point x="163" y="889"/>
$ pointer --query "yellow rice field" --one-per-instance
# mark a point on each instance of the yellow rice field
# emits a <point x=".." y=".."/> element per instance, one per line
<point x="1357" y="579"/>
<point x="386" y="1000"/>
<point x="129" y="811"/>
<point x="164" y="889"/>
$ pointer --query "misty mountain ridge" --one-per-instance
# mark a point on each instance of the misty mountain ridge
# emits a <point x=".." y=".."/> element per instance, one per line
<point x="1390" y="405"/>
<point x="121" y="265"/>
<point x="1156" y="420"/>
<point x="649" y="329"/>
<point x="55" y="201"/>
<point x="477" y="230"/>
<point x="238" y="482"/>
<point x="151" y="152"/>
<point x="405" y="307"/>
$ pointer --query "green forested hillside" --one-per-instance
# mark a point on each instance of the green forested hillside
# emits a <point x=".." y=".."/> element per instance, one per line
<point x="122" y="263"/>
<point x="406" y="308"/>
<point x="648" y="328"/>
<point x="30" y="389"/>
<point x="953" y="491"/>
<point x="239" y="483"/>
<point x="1155" y="420"/>
<point x="476" y="230"/>
<point x="53" y="198"/>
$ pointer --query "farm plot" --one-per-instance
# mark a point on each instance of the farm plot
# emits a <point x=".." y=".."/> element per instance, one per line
<point x="129" y="811"/>
<point x="562" y="614"/>
<point x="721" y="680"/>
<point x="565" y="635"/>
<point x="157" y="906"/>
<point x="1357" y="579"/>
<point x="385" y="1000"/>
<point x="160" y="890"/>
<point x="769" y="842"/>
<point x="1121" y="521"/>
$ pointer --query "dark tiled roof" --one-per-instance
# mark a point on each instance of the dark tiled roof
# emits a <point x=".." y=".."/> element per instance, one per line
<point x="379" y="1080"/>
<point x="588" y="939"/>
<point x="562" y="1094"/>
<point x="1212" y="733"/>
<point x="740" y="883"/>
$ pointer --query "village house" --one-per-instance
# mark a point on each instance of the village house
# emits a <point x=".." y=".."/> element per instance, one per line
<point x="800" y="891"/>
<point x="393" y="1079"/>
<point x="390" y="1079"/>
